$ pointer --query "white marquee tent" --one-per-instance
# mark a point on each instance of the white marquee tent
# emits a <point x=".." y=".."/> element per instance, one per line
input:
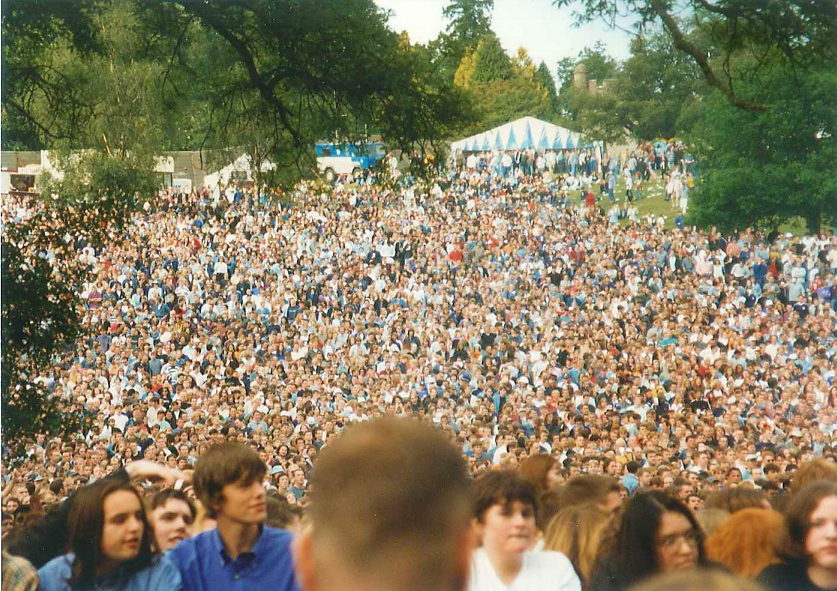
<point x="524" y="133"/>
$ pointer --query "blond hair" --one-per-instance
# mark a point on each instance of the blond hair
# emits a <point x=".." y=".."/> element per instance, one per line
<point x="577" y="532"/>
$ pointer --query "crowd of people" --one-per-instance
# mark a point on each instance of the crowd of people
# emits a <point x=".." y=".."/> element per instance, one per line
<point x="564" y="352"/>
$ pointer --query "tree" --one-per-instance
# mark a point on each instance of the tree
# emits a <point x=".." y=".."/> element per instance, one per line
<point x="778" y="163"/>
<point x="800" y="32"/>
<point x="503" y="88"/>
<point x="468" y="22"/>
<point x="492" y="63"/>
<point x="548" y="82"/>
<point x="597" y="64"/>
<point x="654" y="85"/>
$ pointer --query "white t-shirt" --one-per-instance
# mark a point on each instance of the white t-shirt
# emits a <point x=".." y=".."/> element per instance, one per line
<point x="542" y="571"/>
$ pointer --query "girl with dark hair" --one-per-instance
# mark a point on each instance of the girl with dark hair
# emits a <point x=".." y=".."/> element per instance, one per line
<point x="505" y="509"/>
<point x="656" y="533"/>
<point x="808" y="544"/>
<point x="110" y="541"/>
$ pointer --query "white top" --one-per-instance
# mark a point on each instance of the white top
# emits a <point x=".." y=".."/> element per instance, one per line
<point x="542" y="571"/>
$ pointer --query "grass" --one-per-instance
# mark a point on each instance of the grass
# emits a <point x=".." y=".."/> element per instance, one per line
<point x="652" y="201"/>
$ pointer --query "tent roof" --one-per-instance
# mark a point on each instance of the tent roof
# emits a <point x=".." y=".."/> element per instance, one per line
<point x="526" y="132"/>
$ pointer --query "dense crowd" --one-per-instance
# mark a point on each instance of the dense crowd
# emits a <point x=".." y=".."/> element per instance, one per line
<point x="511" y="311"/>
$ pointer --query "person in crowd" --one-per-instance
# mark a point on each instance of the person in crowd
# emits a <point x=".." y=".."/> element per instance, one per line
<point x="577" y="532"/>
<point x="746" y="542"/>
<point x="656" y="533"/>
<point x="18" y="574"/>
<point x="808" y="544"/>
<point x="541" y="471"/>
<point x="111" y="545"/>
<point x="737" y="499"/>
<point x="591" y="489"/>
<point x="812" y="471"/>
<point x="283" y="515"/>
<point x="171" y="514"/>
<point x="711" y="519"/>
<point x="390" y="511"/>
<point x="241" y="552"/>
<point x="505" y="510"/>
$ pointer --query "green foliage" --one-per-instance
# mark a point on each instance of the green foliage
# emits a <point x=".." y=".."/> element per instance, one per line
<point x="794" y="33"/>
<point x="468" y="21"/>
<point x="503" y="88"/>
<point x="654" y="85"/>
<point x="777" y="164"/>
<point x="597" y="63"/>
<point x="548" y="82"/>
<point x="592" y="114"/>
<point x="492" y="63"/>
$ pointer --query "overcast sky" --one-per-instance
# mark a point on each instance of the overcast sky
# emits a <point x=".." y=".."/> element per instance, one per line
<point x="545" y="31"/>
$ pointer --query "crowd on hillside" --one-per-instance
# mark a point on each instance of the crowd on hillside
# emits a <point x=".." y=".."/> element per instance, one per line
<point x="522" y="321"/>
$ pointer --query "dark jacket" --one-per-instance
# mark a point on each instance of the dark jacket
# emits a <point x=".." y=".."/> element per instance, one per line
<point x="789" y="576"/>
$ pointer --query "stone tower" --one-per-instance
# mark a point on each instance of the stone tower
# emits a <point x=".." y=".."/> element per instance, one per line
<point x="580" y="76"/>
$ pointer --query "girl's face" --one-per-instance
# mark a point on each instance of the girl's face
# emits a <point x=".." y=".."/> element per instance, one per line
<point x="508" y="528"/>
<point x="123" y="527"/>
<point x="821" y="540"/>
<point x="676" y="543"/>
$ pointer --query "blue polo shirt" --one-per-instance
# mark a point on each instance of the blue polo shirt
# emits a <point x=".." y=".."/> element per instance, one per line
<point x="205" y="565"/>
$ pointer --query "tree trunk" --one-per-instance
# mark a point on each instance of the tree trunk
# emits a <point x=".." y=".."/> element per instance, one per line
<point x="813" y="219"/>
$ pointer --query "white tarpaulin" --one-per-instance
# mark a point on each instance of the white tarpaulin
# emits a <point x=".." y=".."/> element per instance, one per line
<point x="522" y="134"/>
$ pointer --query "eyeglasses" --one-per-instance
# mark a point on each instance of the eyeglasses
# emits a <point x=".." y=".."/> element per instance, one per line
<point x="691" y="537"/>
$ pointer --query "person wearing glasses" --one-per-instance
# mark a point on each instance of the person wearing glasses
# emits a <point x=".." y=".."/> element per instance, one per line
<point x="656" y="534"/>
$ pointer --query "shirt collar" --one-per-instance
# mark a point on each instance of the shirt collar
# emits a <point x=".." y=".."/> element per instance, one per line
<point x="219" y="548"/>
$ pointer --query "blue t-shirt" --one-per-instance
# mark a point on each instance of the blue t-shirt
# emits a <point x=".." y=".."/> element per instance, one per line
<point x="160" y="575"/>
<point x="205" y="564"/>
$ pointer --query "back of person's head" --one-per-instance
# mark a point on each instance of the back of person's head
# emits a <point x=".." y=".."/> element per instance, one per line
<point x="547" y="507"/>
<point x="577" y="532"/>
<point x="587" y="489"/>
<point x="737" y="499"/>
<point x="711" y="519"/>
<point x="501" y="487"/>
<point x="390" y="509"/>
<point x="223" y="464"/>
<point x="812" y="471"/>
<point x="745" y="543"/>
<point x="632" y="548"/>
<point x="633" y="467"/>
<point x="691" y="580"/>
<point x="281" y="514"/>
<point x="86" y="524"/>
<point x="791" y="545"/>
<point x="535" y="469"/>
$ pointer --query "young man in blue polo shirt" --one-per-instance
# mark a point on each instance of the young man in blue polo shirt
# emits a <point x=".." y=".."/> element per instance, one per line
<point x="241" y="553"/>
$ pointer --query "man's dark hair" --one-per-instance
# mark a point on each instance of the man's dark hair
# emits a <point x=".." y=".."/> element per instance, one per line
<point x="633" y="467"/>
<point x="223" y="464"/>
